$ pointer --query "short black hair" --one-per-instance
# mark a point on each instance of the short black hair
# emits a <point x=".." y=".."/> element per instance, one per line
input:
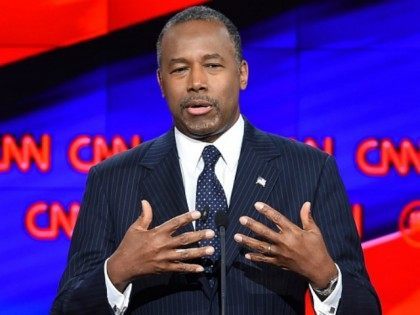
<point x="202" y="13"/>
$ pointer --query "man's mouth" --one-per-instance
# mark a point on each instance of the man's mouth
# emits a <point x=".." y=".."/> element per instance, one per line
<point x="197" y="108"/>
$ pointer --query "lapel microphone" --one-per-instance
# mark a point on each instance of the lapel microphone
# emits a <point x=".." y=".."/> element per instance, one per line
<point x="222" y="223"/>
<point x="205" y="214"/>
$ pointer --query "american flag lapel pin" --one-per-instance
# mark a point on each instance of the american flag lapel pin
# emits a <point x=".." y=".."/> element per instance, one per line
<point x="260" y="181"/>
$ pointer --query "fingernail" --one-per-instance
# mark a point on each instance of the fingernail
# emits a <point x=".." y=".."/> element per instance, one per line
<point x="210" y="250"/>
<point x="200" y="269"/>
<point x="209" y="234"/>
<point x="248" y="256"/>
<point x="243" y="220"/>
<point x="143" y="202"/>
<point x="259" y="206"/>
<point x="238" y="238"/>
<point x="196" y="214"/>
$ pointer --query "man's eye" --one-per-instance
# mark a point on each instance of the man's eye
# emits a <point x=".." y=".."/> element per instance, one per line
<point x="213" y="65"/>
<point x="179" y="70"/>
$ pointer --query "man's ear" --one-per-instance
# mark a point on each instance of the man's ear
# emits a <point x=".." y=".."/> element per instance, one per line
<point x="243" y="74"/>
<point x="159" y="79"/>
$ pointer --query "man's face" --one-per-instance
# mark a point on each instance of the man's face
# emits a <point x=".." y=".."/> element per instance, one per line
<point x="200" y="78"/>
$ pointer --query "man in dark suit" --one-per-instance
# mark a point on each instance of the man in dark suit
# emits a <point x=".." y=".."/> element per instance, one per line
<point x="290" y="222"/>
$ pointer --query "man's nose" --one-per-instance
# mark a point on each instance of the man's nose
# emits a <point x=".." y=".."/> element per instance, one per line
<point x="197" y="80"/>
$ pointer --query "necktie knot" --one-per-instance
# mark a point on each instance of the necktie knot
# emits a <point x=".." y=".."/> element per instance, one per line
<point x="210" y="156"/>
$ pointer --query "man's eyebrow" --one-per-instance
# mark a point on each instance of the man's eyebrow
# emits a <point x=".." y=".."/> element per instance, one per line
<point x="205" y="57"/>
<point x="212" y="56"/>
<point x="177" y="60"/>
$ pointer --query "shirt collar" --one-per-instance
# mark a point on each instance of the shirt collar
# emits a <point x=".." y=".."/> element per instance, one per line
<point x="229" y="144"/>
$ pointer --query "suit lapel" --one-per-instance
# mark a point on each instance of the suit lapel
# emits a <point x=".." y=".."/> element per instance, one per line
<point x="163" y="186"/>
<point x="257" y="152"/>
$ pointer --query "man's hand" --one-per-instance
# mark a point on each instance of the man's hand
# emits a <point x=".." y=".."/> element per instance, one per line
<point x="300" y="250"/>
<point x="144" y="252"/>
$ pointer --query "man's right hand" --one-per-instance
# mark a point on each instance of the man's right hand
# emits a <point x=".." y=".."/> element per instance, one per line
<point x="144" y="252"/>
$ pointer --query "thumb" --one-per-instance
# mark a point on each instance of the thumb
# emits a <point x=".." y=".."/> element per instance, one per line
<point x="308" y="222"/>
<point x="146" y="215"/>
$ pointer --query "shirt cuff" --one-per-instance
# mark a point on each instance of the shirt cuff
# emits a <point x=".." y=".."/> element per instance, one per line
<point x="118" y="301"/>
<point x="330" y="304"/>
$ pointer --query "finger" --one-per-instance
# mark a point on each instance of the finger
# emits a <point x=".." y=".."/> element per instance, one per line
<point x="192" y="237"/>
<point x="190" y="253"/>
<point x="183" y="267"/>
<point x="259" y="228"/>
<point x="146" y="215"/>
<point x="261" y="258"/>
<point x="280" y="220"/>
<point x="308" y="222"/>
<point x="252" y="243"/>
<point x="175" y="223"/>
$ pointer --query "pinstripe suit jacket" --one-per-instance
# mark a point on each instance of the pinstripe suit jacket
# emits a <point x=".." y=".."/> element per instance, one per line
<point x="294" y="173"/>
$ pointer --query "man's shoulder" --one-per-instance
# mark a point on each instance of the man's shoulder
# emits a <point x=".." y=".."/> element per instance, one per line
<point x="292" y="148"/>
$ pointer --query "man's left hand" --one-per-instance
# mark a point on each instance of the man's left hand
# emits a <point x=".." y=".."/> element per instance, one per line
<point x="301" y="250"/>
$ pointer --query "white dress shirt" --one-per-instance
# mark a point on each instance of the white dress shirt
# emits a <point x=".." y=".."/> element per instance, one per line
<point x="189" y="151"/>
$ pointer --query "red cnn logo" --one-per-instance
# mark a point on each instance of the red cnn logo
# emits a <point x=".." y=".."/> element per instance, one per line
<point x="59" y="220"/>
<point x="98" y="148"/>
<point x="25" y="153"/>
<point x="402" y="157"/>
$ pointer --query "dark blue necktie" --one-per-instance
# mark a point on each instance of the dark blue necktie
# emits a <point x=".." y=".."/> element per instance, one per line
<point x="210" y="198"/>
